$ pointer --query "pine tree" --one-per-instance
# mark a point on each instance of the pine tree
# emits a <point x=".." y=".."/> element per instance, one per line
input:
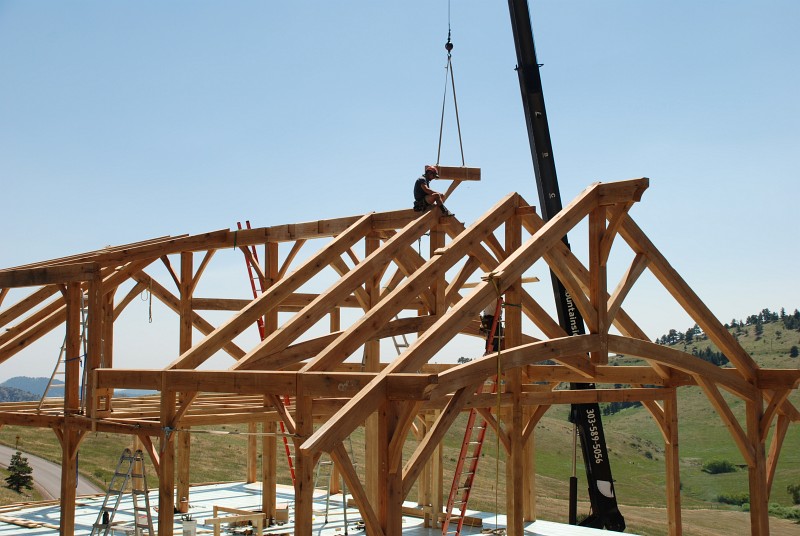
<point x="19" y="473"/>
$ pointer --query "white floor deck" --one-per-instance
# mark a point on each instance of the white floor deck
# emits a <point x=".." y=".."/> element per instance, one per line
<point x="247" y="497"/>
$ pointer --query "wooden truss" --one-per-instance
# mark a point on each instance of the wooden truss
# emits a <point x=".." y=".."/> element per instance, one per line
<point x="394" y="290"/>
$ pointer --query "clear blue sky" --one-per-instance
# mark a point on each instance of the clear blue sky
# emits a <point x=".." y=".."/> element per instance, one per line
<point x="121" y="121"/>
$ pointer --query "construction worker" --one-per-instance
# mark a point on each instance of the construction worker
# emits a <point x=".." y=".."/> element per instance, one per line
<point x="424" y="197"/>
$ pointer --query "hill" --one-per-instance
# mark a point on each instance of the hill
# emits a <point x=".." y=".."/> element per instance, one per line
<point x="635" y="446"/>
<point x="34" y="386"/>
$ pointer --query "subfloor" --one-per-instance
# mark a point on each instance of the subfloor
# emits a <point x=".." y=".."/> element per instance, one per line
<point x="246" y="497"/>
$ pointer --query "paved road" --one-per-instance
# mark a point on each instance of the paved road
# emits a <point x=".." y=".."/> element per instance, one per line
<point x="47" y="475"/>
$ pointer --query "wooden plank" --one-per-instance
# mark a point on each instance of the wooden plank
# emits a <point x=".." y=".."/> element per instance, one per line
<point x="460" y="173"/>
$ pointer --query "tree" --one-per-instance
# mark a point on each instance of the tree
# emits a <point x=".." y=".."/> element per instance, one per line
<point x="19" y="473"/>
<point x="793" y="351"/>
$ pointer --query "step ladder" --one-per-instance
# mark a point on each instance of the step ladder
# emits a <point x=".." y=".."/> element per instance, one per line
<point x="129" y="469"/>
<point x="257" y="287"/>
<point x="467" y="465"/>
<point x="60" y="370"/>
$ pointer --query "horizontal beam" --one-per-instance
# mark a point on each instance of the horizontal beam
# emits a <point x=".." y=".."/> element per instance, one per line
<point x="32" y="277"/>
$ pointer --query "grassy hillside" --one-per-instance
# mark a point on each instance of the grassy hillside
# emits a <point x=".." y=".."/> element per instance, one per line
<point x="634" y="441"/>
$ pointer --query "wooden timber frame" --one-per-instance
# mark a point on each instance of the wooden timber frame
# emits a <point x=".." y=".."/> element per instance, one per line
<point x="394" y="290"/>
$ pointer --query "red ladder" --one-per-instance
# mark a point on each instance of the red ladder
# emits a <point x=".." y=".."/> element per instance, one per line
<point x="471" y="447"/>
<point x="258" y="288"/>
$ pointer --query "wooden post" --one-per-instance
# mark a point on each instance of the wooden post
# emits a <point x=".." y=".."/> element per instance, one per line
<point x="529" y="472"/>
<point x="69" y="437"/>
<point x="672" y="458"/>
<point x="375" y="460"/>
<point x="72" y="363"/>
<point x="269" y="445"/>
<point x="304" y="465"/>
<point x="69" y="466"/>
<point x="166" y="456"/>
<point x="184" y="440"/>
<point x="757" y="471"/>
<point x="336" y="476"/>
<point x="598" y="284"/>
<point x="269" y="475"/>
<point x="95" y="344"/>
<point x="424" y="481"/>
<point x="513" y="337"/>
<point x="392" y="513"/>
<point x="252" y="452"/>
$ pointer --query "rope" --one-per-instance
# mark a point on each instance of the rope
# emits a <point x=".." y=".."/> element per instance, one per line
<point x="449" y="71"/>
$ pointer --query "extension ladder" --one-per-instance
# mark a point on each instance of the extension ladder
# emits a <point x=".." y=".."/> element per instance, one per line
<point x="129" y="469"/>
<point x="400" y="341"/>
<point x="258" y="289"/>
<point x="471" y="446"/>
<point x="327" y="464"/>
<point x="60" y="368"/>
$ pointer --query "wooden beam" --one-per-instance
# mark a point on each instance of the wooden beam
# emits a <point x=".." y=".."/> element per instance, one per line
<point x="271" y="297"/>
<point x="33" y="277"/>
<point x="317" y="309"/>
<point x="687" y="298"/>
<point x="411" y="287"/>
<point x="462" y="173"/>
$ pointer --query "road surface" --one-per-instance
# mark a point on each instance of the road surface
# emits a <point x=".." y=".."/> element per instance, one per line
<point x="47" y="475"/>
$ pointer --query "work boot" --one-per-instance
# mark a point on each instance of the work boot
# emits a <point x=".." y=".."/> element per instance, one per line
<point x="446" y="212"/>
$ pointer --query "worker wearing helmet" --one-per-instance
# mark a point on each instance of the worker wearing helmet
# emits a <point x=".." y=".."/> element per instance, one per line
<point x="424" y="196"/>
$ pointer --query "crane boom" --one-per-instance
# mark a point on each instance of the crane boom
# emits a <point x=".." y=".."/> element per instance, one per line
<point x="586" y="417"/>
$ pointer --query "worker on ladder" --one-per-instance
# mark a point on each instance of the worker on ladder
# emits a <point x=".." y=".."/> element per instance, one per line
<point x="424" y="196"/>
<point x="492" y="326"/>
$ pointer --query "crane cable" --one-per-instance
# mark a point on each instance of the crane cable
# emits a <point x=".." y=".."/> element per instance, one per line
<point x="449" y="72"/>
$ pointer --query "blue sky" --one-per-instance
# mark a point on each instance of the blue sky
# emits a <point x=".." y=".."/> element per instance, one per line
<point x="121" y="121"/>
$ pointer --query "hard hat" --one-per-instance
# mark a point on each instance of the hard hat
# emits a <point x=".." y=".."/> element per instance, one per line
<point x="432" y="168"/>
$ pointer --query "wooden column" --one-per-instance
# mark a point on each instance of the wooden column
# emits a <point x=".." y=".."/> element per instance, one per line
<point x="336" y="475"/>
<point x="184" y="440"/>
<point x="424" y="498"/>
<point x="375" y="460"/>
<point x="70" y="440"/>
<point x="597" y="282"/>
<point x="166" y="455"/>
<point x="69" y="437"/>
<point x="94" y="345"/>
<point x="515" y="497"/>
<point x="672" y="458"/>
<point x="107" y="355"/>
<point x="269" y="445"/>
<point x="304" y="465"/>
<point x="269" y="475"/>
<point x="252" y="452"/>
<point x="757" y="471"/>
<point x="392" y="506"/>
<point x="529" y="472"/>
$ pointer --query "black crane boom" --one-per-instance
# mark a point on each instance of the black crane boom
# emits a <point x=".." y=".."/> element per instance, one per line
<point x="605" y="513"/>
